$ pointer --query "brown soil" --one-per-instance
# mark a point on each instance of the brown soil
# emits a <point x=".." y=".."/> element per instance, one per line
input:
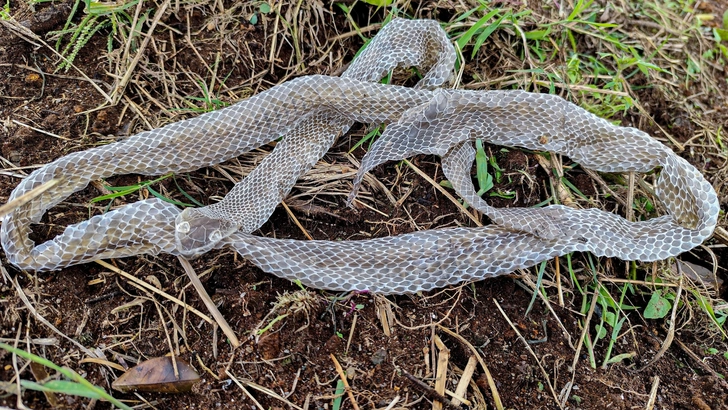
<point x="124" y="324"/>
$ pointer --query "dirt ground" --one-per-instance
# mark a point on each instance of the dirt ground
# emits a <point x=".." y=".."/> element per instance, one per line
<point x="388" y="347"/>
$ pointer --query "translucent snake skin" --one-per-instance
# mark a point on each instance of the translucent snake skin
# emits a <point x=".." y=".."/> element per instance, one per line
<point x="310" y="113"/>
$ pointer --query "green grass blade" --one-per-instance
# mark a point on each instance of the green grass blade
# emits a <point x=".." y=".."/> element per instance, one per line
<point x="465" y="38"/>
<point x="339" y="393"/>
<point x="485" y="180"/>
<point x="61" y="386"/>
<point x="541" y="270"/>
<point x="486" y="33"/>
<point x="69" y="373"/>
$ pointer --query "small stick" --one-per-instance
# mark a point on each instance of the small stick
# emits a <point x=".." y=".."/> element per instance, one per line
<point x="136" y="281"/>
<point x="342" y="375"/>
<point x="491" y="383"/>
<point x="528" y="347"/>
<point x="671" y="332"/>
<point x="268" y="391"/>
<point x="27" y="197"/>
<point x="21" y="293"/>
<point x="653" y="393"/>
<point x="50" y="134"/>
<point x="358" y="31"/>
<point x="429" y="391"/>
<point x="629" y="210"/>
<point x="462" y="389"/>
<point x="394" y="401"/>
<point x="557" y="278"/>
<point x="219" y="318"/>
<point x="444" y="192"/>
<point x="351" y="333"/>
<point x="295" y="220"/>
<point x="121" y="85"/>
<point x="384" y="312"/>
<point x="443" y="357"/>
<point x="567" y="392"/>
<point x="702" y="364"/>
<point x="247" y="393"/>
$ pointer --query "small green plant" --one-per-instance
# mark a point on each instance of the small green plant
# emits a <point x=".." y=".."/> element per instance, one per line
<point x="722" y="33"/>
<point x="658" y="307"/>
<point x="379" y="3"/>
<point x="99" y="16"/>
<point x="263" y="8"/>
<point x="210" y="102"/>
<point x="74" y="384"/>
<point x="339" y="395"/>
<point x="485" y="180"/>
<point x="5" y="11"/>
<point x="119" y="191"/>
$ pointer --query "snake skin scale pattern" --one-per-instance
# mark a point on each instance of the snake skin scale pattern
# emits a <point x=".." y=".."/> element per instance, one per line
<point x="310" y="113"/>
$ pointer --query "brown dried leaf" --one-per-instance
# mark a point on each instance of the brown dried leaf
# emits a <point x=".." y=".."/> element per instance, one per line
<point x="157" y="375"/>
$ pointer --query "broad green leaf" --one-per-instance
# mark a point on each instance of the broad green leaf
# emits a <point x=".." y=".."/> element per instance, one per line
<point x="601" y="331"/>
<point x="722" y="33"/>
<point x="658" y="307"/>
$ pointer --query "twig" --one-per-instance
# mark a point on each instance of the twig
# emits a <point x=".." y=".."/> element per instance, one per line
<point x="136" y="281"/>
<point x="671" y="332"/>
<point x="491" y="383"/>
<point x="27" y="197"/>
<point x="443" y="358"/>
<point x="32" y="38"/>
<point x="121" y="85"/>
<point x="429" y="391"/>
<point x="702" y="364"/>
<point x="462" y="388"/>
<point x="268" y="391"/>
<point x="653" y="393"/>
<point x="219" y="318"/>
<point x="50" y="134"/>
<point x="295" y="221"/>
<point x="358" y="31"/>
<point x="31" y="309"/>
<point x="247" y="393"/>
<point x="351" y="333"/>
<point x="444" y="192"/>
<point x="342" y="375"/>
<point x="528" y="347"/>
<point x="567" y="392"/>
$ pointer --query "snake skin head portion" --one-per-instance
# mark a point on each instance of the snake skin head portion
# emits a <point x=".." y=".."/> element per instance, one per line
<point x="197" y="232"/>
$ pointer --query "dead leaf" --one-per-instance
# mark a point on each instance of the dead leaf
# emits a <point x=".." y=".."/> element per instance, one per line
<point x="157" y="375"/>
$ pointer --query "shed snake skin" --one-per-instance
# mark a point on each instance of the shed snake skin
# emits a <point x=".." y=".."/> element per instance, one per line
<point x="310" y="113"/>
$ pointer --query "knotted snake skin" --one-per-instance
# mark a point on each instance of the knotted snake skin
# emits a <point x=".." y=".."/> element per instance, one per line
<point x="310" y="113"/>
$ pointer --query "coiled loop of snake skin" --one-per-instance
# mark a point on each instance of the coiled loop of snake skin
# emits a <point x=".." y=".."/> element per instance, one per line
<point x="310" y="112"/>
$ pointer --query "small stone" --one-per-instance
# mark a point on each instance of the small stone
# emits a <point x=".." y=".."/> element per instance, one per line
<point x="379" y="356"/>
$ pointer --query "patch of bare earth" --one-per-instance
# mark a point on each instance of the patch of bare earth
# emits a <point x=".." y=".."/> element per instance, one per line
<point x="389" y="348"/>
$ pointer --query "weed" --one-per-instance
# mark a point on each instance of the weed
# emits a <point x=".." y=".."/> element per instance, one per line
<point x="75" y="385"/>
<point x="119" y="191"/>
<point x="210" y="103"/>
<point x="5" y="11"/>
<point x="99" y="16"/>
